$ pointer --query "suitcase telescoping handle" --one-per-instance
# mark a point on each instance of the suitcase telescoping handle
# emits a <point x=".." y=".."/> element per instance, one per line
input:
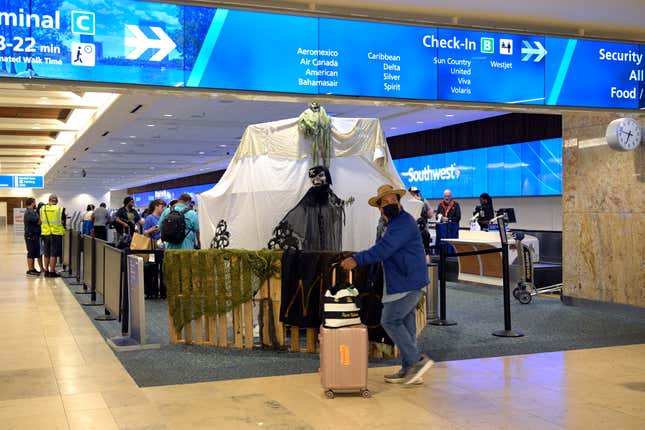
<point x="333" y="274"/>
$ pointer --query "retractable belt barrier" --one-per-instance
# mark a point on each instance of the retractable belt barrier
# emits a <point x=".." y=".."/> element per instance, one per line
<point x="443" y="255"/>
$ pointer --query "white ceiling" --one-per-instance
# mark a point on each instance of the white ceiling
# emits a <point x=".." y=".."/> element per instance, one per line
<point x="166" y="137"/>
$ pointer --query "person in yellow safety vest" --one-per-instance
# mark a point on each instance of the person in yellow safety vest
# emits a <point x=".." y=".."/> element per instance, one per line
<point x="52" y="232"/>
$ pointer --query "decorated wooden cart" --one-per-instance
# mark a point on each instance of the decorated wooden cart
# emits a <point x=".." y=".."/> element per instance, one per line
<point x="232" y="298"/>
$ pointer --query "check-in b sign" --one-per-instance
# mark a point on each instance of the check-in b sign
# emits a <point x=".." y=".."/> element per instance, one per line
<point x="83" y="22"/>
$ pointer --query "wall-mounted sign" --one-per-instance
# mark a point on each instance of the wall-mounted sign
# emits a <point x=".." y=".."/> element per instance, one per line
<point x="177" y="45"/>
<point x="521" y="169"/>
<point x="21" y="181"/>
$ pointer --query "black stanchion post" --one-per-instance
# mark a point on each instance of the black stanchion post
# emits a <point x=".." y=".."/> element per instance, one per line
<point x="125" y="298"/>
<point x="508" y="331"/>
<point x="442" y="321"/>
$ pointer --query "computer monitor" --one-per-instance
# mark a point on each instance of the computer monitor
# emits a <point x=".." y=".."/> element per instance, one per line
<point x="510" y="214"/>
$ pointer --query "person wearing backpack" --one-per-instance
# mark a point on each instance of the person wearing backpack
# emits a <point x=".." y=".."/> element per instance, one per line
<point x="179" y="224"/>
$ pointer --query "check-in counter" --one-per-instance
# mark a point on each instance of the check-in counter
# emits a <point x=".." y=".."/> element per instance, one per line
<point x="486" y="268"/>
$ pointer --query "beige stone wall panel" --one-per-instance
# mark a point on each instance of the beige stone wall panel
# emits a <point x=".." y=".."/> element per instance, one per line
<point x="603" y="214"/>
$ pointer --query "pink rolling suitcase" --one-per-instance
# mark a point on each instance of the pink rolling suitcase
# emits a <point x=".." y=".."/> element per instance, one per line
<point x="343" y="360"/>
<point x="343" y="351"/>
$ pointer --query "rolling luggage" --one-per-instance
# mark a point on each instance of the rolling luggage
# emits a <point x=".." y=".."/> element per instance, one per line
<point x="343" y="360"/>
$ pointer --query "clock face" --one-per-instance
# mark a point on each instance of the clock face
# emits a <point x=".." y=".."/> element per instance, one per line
<point x="629" y="134"/>
<point x="624" y="134"/>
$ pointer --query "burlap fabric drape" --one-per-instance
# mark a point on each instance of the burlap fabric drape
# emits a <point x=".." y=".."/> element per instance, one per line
<point x="211" y="282"/>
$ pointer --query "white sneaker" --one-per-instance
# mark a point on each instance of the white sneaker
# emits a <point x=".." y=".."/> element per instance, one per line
<point x="415" y="374"/>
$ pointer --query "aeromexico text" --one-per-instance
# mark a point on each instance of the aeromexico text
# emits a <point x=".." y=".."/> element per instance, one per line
<point x="326" y="62"/>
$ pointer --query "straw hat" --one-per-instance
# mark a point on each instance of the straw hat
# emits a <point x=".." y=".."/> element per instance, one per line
<point x="382" y="191"/>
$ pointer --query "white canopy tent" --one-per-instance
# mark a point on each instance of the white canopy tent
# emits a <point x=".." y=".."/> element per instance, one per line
<point x="269" y="175"/>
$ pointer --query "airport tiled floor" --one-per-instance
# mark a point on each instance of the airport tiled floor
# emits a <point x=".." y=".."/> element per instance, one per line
<point x="56" y="372"/>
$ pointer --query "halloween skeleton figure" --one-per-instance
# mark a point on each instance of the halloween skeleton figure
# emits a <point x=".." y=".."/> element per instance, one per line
<point x="318" y="218"/>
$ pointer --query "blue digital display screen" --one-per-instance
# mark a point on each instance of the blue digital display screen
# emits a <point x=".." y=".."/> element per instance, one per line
<point x="478" y="66"/>
<point x="144" y="199"/>
<point x="174" y="193"/>
<point x="374" y="59"/>
<point x="595" y="74"/>
<point x="256" y="51"/>
<point x="163" y="44"/>
<point x="521" y="169"/>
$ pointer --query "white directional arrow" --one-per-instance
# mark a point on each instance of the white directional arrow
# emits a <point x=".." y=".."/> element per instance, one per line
<point x="529" y="51"/>
<point x="141" y="43"/>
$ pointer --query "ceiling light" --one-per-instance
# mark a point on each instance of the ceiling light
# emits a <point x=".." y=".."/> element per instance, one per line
<point x="201" y="153"/>
<point x="123" y="143"/>
<point x="449" y="115"/>
<point x="201" y="170"/>
<point x="167" y="115"/>
<point x="110" y="150"/>
<point x="392" y="128"/>
<point x="222" y="146"/>
<point x="419" y="122"/>
<point x="150" y="125"/>
<point x="172" y="161"/>
<point x="133" y="137"/>
<point x="152" y="167"/>
<point x="95" y="161"/>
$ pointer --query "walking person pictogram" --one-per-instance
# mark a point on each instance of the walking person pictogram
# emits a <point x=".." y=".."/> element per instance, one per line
<point x="79" y="57"/>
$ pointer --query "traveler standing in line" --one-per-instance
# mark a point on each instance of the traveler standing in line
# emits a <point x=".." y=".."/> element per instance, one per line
<point x="88" y="226"/>
<point x="424" y="218"/>
<point x="151" y="223"/>
<point x="126" y="219"/>
<point x="426" y="211"/>
<point x="32" y="237"/>
<point x="52" y="231"/>
<point x="401" y="252"/>
<point x="191" y="223"/>
<point x="42" y="245"/>
<point x="100" y="218"/>
<point x="485" y="211"/>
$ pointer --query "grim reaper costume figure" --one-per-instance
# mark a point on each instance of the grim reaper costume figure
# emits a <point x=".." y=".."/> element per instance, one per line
<point x="317" y="220"/>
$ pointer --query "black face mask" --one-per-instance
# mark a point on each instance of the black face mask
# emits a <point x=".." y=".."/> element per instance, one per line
<point x="391" y="211"/>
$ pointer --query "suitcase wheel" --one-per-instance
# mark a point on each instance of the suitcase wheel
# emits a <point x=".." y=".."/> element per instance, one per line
<point x="366" y="394"/>
<point x="329" y="394"/>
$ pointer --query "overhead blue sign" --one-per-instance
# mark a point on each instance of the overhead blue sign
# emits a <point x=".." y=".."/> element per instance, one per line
<point x="522" y="169"/>
<point x="595" y="74"/>
<point x="175" y="45"/>
<point x="21" y="181"/>
<point x="144" y="199"/>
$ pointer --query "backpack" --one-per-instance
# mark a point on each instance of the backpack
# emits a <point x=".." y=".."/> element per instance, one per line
<point x="173" y="227"/>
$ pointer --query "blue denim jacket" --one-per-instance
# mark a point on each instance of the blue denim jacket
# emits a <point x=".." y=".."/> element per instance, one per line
<point x="401" y="251"/>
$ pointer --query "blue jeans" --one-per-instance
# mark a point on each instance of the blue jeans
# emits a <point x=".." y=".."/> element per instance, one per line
<point x="399" y="321"/>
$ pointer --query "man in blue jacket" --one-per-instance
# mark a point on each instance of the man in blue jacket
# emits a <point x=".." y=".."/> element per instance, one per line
<point x="401" y="252"/>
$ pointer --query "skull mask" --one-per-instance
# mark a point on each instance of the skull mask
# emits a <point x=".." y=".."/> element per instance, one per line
<point x="319" y="176"/>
